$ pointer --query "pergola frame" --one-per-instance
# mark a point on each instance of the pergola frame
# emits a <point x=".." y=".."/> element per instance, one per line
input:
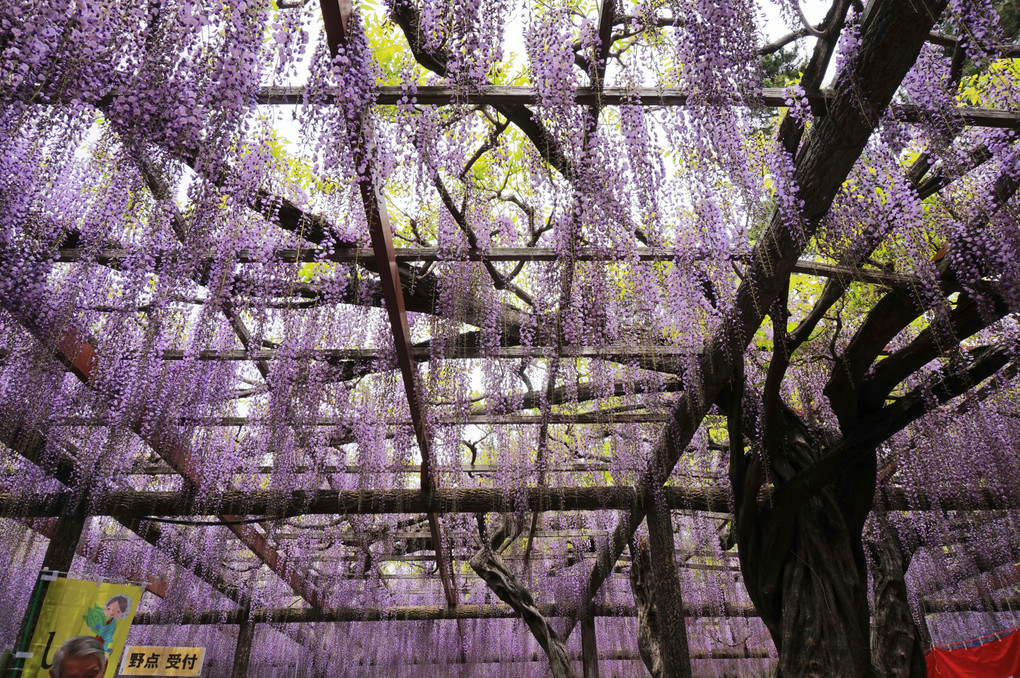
<point x="131" y="508"/>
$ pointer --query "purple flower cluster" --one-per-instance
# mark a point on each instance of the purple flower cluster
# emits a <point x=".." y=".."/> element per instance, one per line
<point x="199" y="257"/>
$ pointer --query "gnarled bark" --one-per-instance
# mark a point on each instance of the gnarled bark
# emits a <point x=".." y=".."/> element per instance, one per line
<point x="896" y="647"/>
<point x="803" y="562"/>
<point x="644" y="601"/>
<point x="823" y="620"/>
<point x="892" y="35"/>
<point x="491" y="568"/>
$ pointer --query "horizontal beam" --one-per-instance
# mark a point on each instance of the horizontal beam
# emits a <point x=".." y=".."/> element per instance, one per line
<point x="278" y="503"/>
<point x="415" y="469"/>
<point x="971" y="605"/>
<point x="281" y="503"/>
<point x="732" y="569"/>
<point x="614" y="351"/>
<point x="305" y="615"/>
<point x="498" y="95"/>
<point x="612" y="655"/>
<point x="290" y="615"/>
<point x="465" y="420"/>
<point x="494" y="95"/>
<point x="300" y="533"/>
<point x="114" y="256"/>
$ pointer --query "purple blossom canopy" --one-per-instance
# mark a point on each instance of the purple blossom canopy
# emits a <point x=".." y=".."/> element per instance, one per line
<point x="304" y="309"/>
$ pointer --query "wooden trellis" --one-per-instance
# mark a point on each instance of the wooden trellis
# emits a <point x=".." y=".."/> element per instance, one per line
<point x="234" y="508"/>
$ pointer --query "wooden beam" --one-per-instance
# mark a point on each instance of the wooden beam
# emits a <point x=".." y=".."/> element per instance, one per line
<point x="114" y="256"/>
<point x="290" y="615"/>
<point x="495" y="95"/>
<point x="336" y="14"/>
<point x="594" y="418"/>
<point x="938" y="606"/>
<point x="330" y="615"/>
<point x="612" y="655"/>
<point x="616" y="352"/>
<point x="281" y="503"/>
<point x="730" y="570"/>
<point x="329" y="469"/>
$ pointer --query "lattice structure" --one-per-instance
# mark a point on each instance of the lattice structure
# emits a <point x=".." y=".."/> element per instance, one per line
<point x="362" y="348"/>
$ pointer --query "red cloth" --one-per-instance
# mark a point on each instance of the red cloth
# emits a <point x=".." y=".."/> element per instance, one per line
<point x="994" y="659"/>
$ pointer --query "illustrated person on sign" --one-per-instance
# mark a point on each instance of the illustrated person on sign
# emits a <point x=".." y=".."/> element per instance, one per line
<point x="103" y="621"/>
<point x="81" y="657"/>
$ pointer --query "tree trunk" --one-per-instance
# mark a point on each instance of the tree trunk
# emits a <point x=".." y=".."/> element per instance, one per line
<point x="644" y="602"/>
<point x="589" y="646"/>
<point x="801" y="552"/>
<point x="823" y="622"/>
<point x="491" y="568"/>
<point x="669" y="604"/>
<point x="896" y="647"/>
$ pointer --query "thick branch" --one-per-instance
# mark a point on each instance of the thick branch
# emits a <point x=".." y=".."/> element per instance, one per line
<point x="869" y="239"/>
<point x="894" y="312"/>
<point x="968" y="318"/>
<point x="892" y="38"/>
<point x="405" y="15"/>
<point x="791" y="129"/>
<point x="953" y="382"/>
<point x="585" y="392"/>
<point x="491" y="568"/>
<point x="498" y="280"/>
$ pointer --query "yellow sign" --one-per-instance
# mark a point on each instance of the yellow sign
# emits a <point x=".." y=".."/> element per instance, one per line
<point x="74" y="607"/>
<point x="146" y="660"/>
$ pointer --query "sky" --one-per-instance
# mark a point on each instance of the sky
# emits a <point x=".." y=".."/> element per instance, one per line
<point x="771" y="21"/>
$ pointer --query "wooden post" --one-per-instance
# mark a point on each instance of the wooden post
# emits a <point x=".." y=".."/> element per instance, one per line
<point x="59" y="557"/>
<point x="245" y="638"/>
<point x="923" y="631"/>
<point x="589" y="647"/>
<point x="64" y="542"/>
<point x="491" y="568"/>
<point x="676" y="660"/>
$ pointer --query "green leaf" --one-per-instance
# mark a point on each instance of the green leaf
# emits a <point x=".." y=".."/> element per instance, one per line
<point x="95" y="617"/>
